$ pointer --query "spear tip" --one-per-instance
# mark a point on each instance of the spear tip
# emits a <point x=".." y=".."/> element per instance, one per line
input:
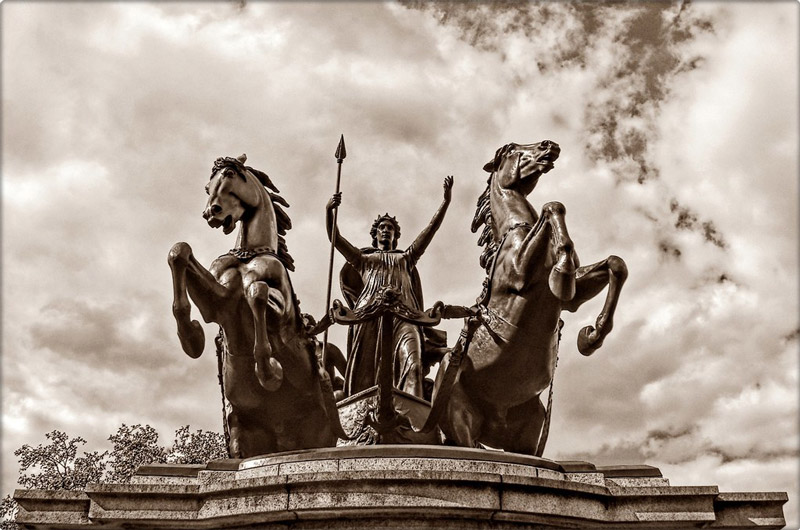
<point x="341" y="152"/>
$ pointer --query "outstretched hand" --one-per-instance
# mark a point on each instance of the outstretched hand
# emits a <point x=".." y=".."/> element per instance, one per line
<point x="448" y="187"/>
<point x="335" y="201"/>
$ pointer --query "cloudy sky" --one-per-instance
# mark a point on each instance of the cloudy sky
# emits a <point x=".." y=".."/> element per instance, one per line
<point x="678" y="126"/>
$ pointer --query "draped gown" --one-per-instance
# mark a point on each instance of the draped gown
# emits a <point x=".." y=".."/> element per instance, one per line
<point x="376" y="269"/>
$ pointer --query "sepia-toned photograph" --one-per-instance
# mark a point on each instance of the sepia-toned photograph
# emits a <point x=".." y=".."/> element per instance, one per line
<point x="407" y="264"/>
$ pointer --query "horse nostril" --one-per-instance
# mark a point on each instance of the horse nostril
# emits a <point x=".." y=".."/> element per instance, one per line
<point x="215" y="209"/>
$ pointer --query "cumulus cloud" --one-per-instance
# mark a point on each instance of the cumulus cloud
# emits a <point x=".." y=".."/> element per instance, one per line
<point x="678" y="128"/>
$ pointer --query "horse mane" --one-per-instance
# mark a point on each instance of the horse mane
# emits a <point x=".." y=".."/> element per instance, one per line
<point x="483" y="214"/>
<point x="282" y="219"/>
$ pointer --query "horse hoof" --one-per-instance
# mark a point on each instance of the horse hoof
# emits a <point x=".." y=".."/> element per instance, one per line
<point x="193" y="339"/>
<point x="585" y="345"/>
<point x="272" y="377"/>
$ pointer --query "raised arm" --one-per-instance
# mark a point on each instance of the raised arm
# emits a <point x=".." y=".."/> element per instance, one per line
<point x="350" y="253"/>
<point x="424" y="238"/>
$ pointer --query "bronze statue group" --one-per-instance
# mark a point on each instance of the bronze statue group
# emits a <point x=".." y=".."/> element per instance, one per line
<point x="279" y="380"/>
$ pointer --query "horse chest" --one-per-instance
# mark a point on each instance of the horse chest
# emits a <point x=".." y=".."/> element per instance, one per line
<point x="510" y="362"/>
<point x="225" y="270"/>
<point x="230" y="272"/>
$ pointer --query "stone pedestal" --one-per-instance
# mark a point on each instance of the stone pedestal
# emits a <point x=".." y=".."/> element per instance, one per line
<point x="400" y="486"/>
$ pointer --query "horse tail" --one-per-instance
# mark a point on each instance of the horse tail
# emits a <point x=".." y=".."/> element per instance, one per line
<point x="326" y="387"/>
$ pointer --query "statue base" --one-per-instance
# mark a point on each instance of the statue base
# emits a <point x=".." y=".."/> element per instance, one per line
<point x="398" y="486"/>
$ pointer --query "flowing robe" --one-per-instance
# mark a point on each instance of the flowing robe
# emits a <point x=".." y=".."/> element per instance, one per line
<point x="360" y="283"/>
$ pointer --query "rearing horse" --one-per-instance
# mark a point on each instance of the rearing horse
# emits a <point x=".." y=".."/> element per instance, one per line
<point x="269" y="368"/>
<point x="533" y="275"/>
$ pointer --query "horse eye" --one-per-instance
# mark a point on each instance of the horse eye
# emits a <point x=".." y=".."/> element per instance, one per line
<point x="228" y="173"/>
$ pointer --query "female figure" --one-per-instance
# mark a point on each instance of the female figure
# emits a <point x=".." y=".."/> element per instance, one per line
<point x="367" y="271"/>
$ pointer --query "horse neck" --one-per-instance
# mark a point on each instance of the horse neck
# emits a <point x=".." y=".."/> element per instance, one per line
<point x="509" y="208"/>
<point x="259" y="228"/>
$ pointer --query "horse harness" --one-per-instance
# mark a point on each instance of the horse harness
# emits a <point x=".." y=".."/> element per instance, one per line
<point x="497" y="327"/>
<point x="246" y="254"/>
<point x="483" y="299"/>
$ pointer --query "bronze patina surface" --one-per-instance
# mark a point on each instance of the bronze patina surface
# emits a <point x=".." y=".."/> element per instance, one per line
<point x="269" y="366"/>
<point x="368" y="271"/>
<point x="489" y="385"/>
<point x="282" y="421"/>
<point x="533" y="275"/>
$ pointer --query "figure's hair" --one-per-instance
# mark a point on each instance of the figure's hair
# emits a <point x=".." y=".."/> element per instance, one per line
<point x="373" y="232"/>
<point x="282" y="219"/>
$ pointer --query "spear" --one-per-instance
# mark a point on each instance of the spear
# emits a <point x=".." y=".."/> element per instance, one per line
<point x="340" y="154"/>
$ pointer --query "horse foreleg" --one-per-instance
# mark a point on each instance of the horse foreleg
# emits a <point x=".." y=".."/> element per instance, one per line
<point x="268" y="370"/>
<point x="190" y="332"/>
<point x="534" y="247"/>
<point x="206" y="292"/>
<point x="562" y="275"/>
<point x="592" y="279"/>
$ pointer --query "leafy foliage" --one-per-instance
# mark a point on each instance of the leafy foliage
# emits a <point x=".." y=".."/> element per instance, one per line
<point x="134" y="446"/>
<point x="8" y="513"/>
<point x="59" y="466"/>
<point x="137" y="445"/>
<point x="196" y="447"/>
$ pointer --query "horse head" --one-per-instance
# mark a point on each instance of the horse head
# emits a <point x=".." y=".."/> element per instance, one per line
<point x="519" y="166"/>
<point x="233" y="190"/>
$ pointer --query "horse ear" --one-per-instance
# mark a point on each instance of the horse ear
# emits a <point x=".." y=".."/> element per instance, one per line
<point x="242" y="158"/>
<point x="491" y="165"/>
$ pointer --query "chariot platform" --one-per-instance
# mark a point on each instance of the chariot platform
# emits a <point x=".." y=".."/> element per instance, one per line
<point x="398" y="486"/>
